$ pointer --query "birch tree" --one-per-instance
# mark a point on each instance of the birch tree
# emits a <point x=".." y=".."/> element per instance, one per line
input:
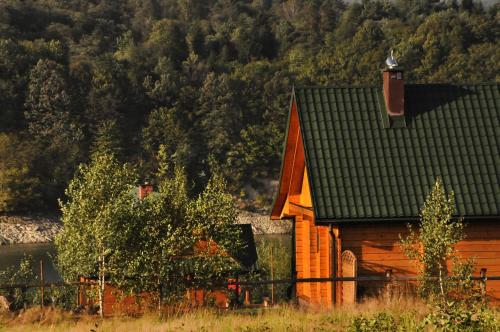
<point x="181" y="241"/>
<point x="433" y="245"/>
<point x="163" y="239"/>
<point x="99" y="221"/>
<point x="213" y="216"/>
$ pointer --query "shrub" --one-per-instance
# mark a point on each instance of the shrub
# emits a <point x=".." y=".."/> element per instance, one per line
<point x="382" y="322"/>
<point x="62" y="297"/>
<point x="23" y="274"/>
<point x="279" y="249"/>
<point x="459" y="316"/>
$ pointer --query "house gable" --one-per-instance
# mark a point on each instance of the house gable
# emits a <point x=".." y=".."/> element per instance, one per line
<point x="294" y="191"/>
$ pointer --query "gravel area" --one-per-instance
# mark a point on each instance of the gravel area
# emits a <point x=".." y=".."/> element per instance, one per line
<point x="34" y="229"/>
<point x="28" y="229"/>
<point x="262" y="224"/>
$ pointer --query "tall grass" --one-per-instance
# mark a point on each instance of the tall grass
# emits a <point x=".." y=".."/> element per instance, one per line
<point x="408" y="314"/>
<point x="404" y="314"/>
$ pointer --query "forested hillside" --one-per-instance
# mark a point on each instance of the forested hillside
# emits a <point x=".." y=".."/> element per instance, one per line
<point x="210" y="79"/>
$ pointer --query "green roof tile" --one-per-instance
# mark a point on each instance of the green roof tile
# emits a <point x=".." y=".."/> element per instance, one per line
<point x="364" y="165"/>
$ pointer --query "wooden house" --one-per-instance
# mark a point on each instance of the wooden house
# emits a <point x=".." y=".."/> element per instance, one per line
<point x="358" y="163"/>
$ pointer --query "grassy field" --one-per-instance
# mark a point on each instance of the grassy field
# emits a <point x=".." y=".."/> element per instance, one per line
<point x="282" y="318"/>
<point x="407" y="315"/>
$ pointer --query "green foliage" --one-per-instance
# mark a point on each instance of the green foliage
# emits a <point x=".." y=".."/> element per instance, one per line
<point x="22" y="274"/>
<point x="48" y="102"/>
<point x="460" y="316"/>
<point x="63" y="297"/>
<point x="213" y="216"/>
<point x="382" y="322"/>
<point x="18" y="186"/>
<point x="107" y="139"/>
<point x="209" y="77"/>
<point x="156" y="244"/>
<point x="163" y="130"/>
<point x="162" y="237"/>
<point x="96" y="217"/>
<point x="275" y="251"/>
<point x="98" y="221"/>
<point x="433" y="245"/>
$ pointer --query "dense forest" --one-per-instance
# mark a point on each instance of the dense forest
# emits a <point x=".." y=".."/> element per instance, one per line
<point x="210" y="80"/>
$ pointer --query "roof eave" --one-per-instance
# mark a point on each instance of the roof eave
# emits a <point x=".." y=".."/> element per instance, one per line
<point x="274" y="214"/>
<point x="340" y="221"/>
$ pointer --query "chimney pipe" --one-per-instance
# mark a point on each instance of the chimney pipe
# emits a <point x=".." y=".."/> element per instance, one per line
<point x="394" y="88"/>
<point x="394" y="91"/>
<point x="144" y="190"/>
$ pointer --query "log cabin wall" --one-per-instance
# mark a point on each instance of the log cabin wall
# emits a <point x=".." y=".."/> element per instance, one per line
<point x="313" y="260"/>
<point x="377" y="248"/>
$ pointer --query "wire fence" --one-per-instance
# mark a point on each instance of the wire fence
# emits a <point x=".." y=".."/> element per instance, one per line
<point x="236" y="285"/>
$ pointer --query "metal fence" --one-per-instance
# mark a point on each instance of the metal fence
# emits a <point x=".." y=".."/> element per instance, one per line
<point x="483" y="278"/>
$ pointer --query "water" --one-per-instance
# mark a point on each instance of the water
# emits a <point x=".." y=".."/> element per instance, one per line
<point x="11" y="255"/>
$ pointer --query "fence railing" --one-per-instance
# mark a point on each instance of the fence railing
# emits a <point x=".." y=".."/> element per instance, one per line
<point x="388" y="277"/>
<point x="269" y="282"/>
<point x="358" y="278"/>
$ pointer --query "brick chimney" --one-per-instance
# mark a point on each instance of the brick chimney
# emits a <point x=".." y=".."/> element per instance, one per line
<point x="394" y="87"/>
<point x="144" y="190"/>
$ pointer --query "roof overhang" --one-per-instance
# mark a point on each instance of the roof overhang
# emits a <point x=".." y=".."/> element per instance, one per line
<point x="397" y="220"/>
<point x="289" y="146"/>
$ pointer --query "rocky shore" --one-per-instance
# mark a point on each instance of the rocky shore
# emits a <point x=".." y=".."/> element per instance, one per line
<point x="35" y="229"/>
<point x="28" y="229"/>
<point x="261" y="224"/>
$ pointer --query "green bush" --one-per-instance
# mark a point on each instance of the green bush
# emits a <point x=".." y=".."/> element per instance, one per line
<point x="459" y="316"/>
<point x="62" y="297"/>
<point x="23" y="274"/>
<point x="382" y="322"/>
<point x="280" y="247"/>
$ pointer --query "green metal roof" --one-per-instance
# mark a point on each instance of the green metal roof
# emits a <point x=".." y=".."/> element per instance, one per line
<point x="361" y="165"/>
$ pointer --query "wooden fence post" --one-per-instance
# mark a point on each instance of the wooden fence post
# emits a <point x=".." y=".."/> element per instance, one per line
<point x="272" y="276"/>
<point x="482" y="274"/>
<point x="42" y="285"/>
<point x="247" y="297"/>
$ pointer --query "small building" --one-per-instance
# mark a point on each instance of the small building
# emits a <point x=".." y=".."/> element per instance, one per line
<point x="358" y="163"/>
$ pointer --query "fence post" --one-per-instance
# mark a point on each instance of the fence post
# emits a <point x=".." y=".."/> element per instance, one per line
<point x="482" y="274"/>
<point x="247" y="297"/>
<point x="42" y="285"/>
<point x="272" y="276"/>
<point x="389" y="285"/>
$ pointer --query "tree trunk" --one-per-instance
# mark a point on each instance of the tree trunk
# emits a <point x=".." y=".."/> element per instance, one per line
<point x="159" y="297"/>
<point x="441" y="280"/>
<point x="101" y="284"/>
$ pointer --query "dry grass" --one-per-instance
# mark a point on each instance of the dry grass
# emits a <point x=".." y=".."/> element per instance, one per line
<point x="280" y="318"/>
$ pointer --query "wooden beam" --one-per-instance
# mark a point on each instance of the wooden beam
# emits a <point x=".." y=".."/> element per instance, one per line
<point x="287" y="164"/>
